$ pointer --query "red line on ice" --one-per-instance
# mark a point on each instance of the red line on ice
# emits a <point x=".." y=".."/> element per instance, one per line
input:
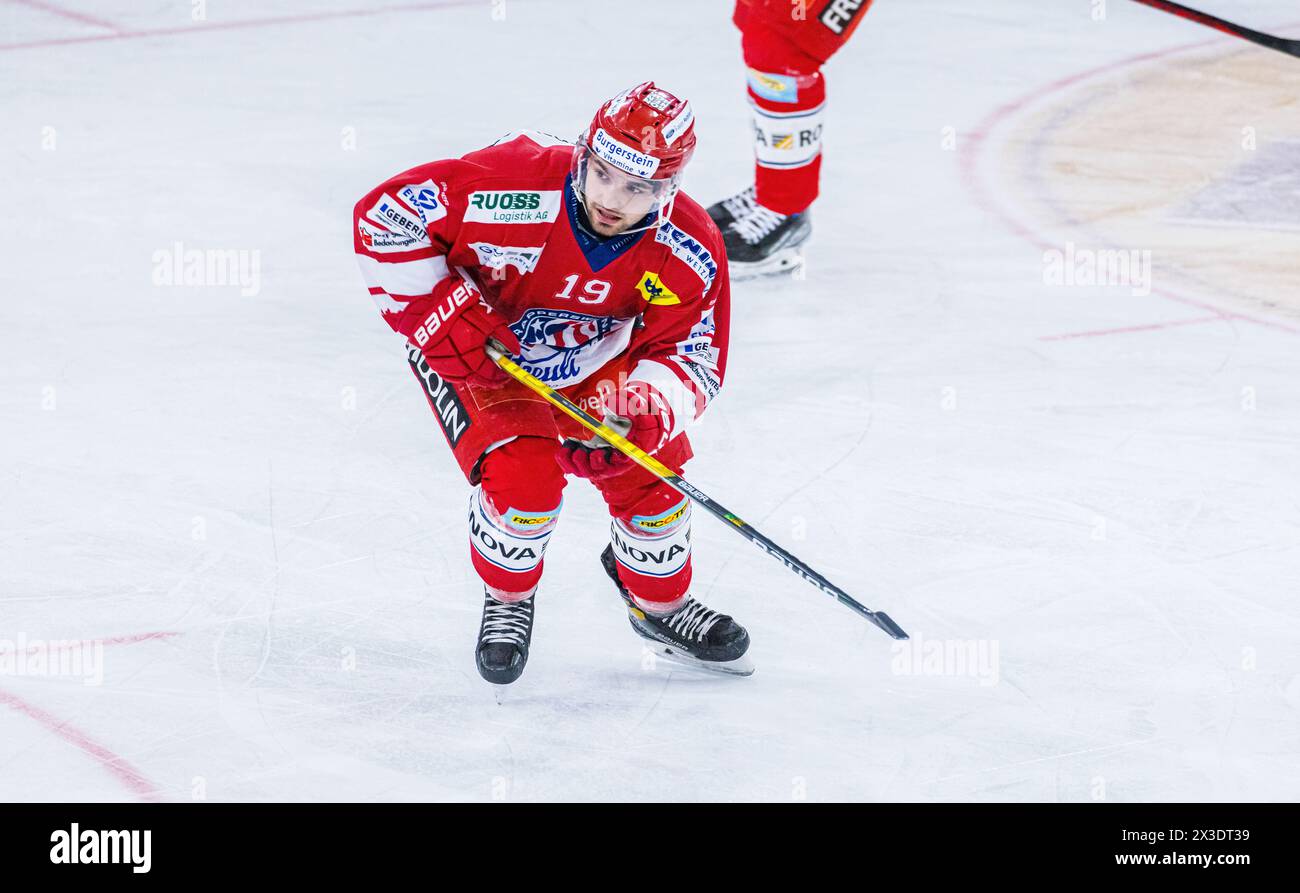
<point x="123" y="771"/>
<point x="132" y="639"/>
<point x="1138" y="328"/>
<point x="970" y="160"/>
<point x="119" y="767"/>
<point x="246" y="23"/>
<point x="68" y="13"/>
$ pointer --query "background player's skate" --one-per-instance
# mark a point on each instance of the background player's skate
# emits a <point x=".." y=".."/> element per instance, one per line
<point x="760" y="241"/>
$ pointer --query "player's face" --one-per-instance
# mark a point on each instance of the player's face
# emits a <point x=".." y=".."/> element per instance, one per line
<point x="615" y="200"/>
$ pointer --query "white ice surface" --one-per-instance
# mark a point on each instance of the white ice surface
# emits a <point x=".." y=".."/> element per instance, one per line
<point x="259" y="478"/>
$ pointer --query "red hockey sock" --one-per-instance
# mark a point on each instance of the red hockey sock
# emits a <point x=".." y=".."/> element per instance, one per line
<point x="651" y="535"/>
<point x="787" y="94"/>
<point x="512" y="515"/>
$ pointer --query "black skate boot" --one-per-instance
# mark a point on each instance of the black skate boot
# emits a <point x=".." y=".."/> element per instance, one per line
<point x="759" y="241"/>
<point x="692" y="635"/>
<point x="503" y="639"/>
<point x="729" y="209"/>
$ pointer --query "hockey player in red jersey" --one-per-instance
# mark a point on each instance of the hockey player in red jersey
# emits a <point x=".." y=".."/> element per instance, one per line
<point x="599" y="277"/>
<point x="785" y="44"/>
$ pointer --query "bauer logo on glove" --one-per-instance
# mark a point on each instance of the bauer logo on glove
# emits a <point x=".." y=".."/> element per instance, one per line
<point x="455" y="333"/>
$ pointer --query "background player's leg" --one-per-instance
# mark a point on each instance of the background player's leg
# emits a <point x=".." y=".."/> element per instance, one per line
<point x="787" y="95"/>
<point x="765" y="225"/>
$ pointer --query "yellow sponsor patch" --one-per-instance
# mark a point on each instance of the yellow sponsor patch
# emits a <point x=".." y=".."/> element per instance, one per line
<point x="531" y="521"/>
<point x="785" y="141"/>
<point x="656" y="523"/>
<point x="768" y="81"/>
<point x="654" y="291"/>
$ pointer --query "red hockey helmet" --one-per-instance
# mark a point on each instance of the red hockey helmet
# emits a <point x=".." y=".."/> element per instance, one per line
<point x="645" y="132"/>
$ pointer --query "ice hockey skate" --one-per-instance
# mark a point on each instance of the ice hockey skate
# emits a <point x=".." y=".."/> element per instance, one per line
<point x="759" y="241"/>
<point x="725" y="211"/>
<point x="503" y="639"/>
<point x="693" y="636"/>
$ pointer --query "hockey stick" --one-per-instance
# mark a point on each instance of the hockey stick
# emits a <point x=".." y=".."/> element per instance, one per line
<point x="678" y="483"/>
<point x="1281" y="44"/>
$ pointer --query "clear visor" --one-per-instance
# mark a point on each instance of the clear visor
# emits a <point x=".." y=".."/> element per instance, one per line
<point x="615" y="198"/>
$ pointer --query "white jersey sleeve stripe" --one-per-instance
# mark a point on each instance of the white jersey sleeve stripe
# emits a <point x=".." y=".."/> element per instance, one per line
<point x="385" y="302"/>
<point x="412" y="277"/>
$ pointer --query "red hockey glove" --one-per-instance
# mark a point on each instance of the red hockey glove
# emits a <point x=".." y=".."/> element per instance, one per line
<point x="453" y="337"/>
<point x="646" y="420"/>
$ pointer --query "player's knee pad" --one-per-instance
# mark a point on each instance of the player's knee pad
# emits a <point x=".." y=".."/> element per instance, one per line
<point x="512" y="514"/>
<point x="652" y="548"/>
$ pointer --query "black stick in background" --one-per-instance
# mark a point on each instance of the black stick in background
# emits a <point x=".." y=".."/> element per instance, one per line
<point x="1281" y="44"/>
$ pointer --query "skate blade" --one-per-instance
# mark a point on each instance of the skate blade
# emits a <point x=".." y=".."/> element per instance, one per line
<point x="741" y="666"/>
<point x="782" y="263"/>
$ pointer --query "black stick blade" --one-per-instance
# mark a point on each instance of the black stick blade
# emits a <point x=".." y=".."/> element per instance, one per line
<point x="885" y="622"/>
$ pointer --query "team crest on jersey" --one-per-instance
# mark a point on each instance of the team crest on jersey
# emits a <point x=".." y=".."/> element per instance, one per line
<point x="689" y="251"/>
<point x="654" y="291"/>
<point x="553" y="340"/>
<point x="498" y="257"/>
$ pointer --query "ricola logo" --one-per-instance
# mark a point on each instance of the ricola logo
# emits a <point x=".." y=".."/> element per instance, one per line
<point x="506" y="206"/>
